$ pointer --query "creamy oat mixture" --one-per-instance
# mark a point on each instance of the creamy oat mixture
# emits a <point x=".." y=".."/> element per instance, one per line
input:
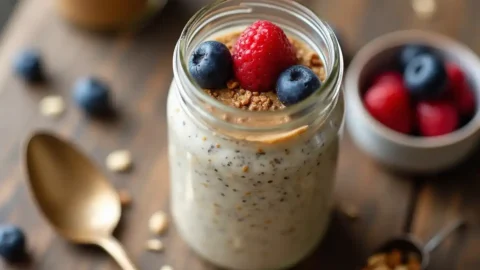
<point x="252" y="204"/>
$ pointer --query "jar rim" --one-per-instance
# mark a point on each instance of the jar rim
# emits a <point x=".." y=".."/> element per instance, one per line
<point x="330" y="87"/>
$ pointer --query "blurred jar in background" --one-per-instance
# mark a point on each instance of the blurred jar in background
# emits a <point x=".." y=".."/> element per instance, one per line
<point x="108" y="14"/>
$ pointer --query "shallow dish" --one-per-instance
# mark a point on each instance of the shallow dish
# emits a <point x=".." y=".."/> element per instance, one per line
<point x="401" y="151"/>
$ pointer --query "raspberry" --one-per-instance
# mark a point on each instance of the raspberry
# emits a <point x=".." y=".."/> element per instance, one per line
<point x="436" y="118"/>
<point x="389" y="103"/>
<point x="260" y="54"/>
<point x="460" y="91"/>
<point x="455" y="75"/>
<point x="389" y="77"/>
<point x="464" y="100"/>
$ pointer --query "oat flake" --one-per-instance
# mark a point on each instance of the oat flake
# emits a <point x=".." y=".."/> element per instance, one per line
<point x="424" y="8"/>
<point x="125" y="197"/>
<point x="154" y="245"/>
<point x="158" y="223"/>
<point x="52" y="106"/>
<point x="119" y="161"/>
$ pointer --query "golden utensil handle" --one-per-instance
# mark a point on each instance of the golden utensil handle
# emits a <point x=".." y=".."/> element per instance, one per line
<point x="115" y="249"/>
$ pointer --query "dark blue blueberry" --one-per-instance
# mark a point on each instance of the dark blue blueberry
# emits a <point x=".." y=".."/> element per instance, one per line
<point x="12" y="243"/>
<point x="411" y="51"/>
<point x="92" y="95"/>
<point x="28" y="65"/>
<point x="211" y="65"/>
<point x="296" y="83"/>
<point x="425" y="76"/>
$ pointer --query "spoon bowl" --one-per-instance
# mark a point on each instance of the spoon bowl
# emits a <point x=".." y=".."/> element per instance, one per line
<point x="410" y="245"/>
<point x="73" y="194"/>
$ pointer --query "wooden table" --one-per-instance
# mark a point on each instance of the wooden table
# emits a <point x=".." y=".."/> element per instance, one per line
<point x="138" y="67"/>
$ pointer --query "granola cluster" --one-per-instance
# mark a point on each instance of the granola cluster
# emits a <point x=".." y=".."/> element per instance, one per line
<point x="394" y="260"/>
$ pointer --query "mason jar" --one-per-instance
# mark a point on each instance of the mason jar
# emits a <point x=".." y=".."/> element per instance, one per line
<point x="249" y="189"/>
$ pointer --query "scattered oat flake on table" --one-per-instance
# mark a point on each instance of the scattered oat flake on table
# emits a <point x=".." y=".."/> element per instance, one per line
<point x="424" y="8"/>
<point x="52" y="106"/>
<point x="166" y="267"/>
<point x="119" y="161"/>
<point x="125" y="197"/>
<point x="154" y="245"/>
<point x="158" y="223"/>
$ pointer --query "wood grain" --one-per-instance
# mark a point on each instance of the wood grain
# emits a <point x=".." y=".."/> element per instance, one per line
<point x="138" y="66"/>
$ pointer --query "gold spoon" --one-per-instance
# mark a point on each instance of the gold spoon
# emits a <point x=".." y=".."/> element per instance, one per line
<point x="74" y="196"/>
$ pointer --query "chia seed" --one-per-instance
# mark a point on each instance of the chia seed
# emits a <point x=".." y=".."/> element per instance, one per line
<point x="260" y="154"/>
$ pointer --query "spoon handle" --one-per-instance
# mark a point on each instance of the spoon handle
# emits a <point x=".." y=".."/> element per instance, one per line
<point x="115" y="249"/>
<point x="444" y="233"/>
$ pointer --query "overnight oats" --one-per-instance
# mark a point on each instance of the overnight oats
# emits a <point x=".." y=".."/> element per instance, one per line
<point x="254" y="116"/>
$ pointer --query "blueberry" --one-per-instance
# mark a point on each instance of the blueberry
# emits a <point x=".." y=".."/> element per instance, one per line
<point x="12" y="243"/>
<point x="425" y="76"/>
<point x="93" y="95"/>
<point x="411" y="51"/>
<point x="211" y="65"/>
<point x="28" y="65"/>
<point x="296" y="83"/>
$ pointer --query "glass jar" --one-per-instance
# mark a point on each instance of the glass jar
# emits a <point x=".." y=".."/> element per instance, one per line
<point x="108" y="14"/>
<point x="253" y="190"/>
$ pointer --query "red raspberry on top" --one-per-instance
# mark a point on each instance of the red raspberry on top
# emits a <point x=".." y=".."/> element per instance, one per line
<point x="260" y="54"/>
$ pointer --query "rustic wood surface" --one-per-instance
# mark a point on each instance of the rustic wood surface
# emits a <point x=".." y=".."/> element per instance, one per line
<point x="138" y="66"/>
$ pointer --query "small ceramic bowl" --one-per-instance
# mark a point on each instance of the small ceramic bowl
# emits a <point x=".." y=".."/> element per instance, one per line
<point x="401" y="151"/>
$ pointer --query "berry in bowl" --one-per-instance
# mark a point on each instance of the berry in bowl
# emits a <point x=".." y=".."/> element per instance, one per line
<point x="412" y="100"/>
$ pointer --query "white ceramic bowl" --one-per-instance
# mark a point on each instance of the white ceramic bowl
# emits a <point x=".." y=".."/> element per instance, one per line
<point x="396" y="150"/>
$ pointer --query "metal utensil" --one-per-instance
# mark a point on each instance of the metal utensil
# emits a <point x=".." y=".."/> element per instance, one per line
<point x="74" y="196"/>
<point x="410" y="244"/>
